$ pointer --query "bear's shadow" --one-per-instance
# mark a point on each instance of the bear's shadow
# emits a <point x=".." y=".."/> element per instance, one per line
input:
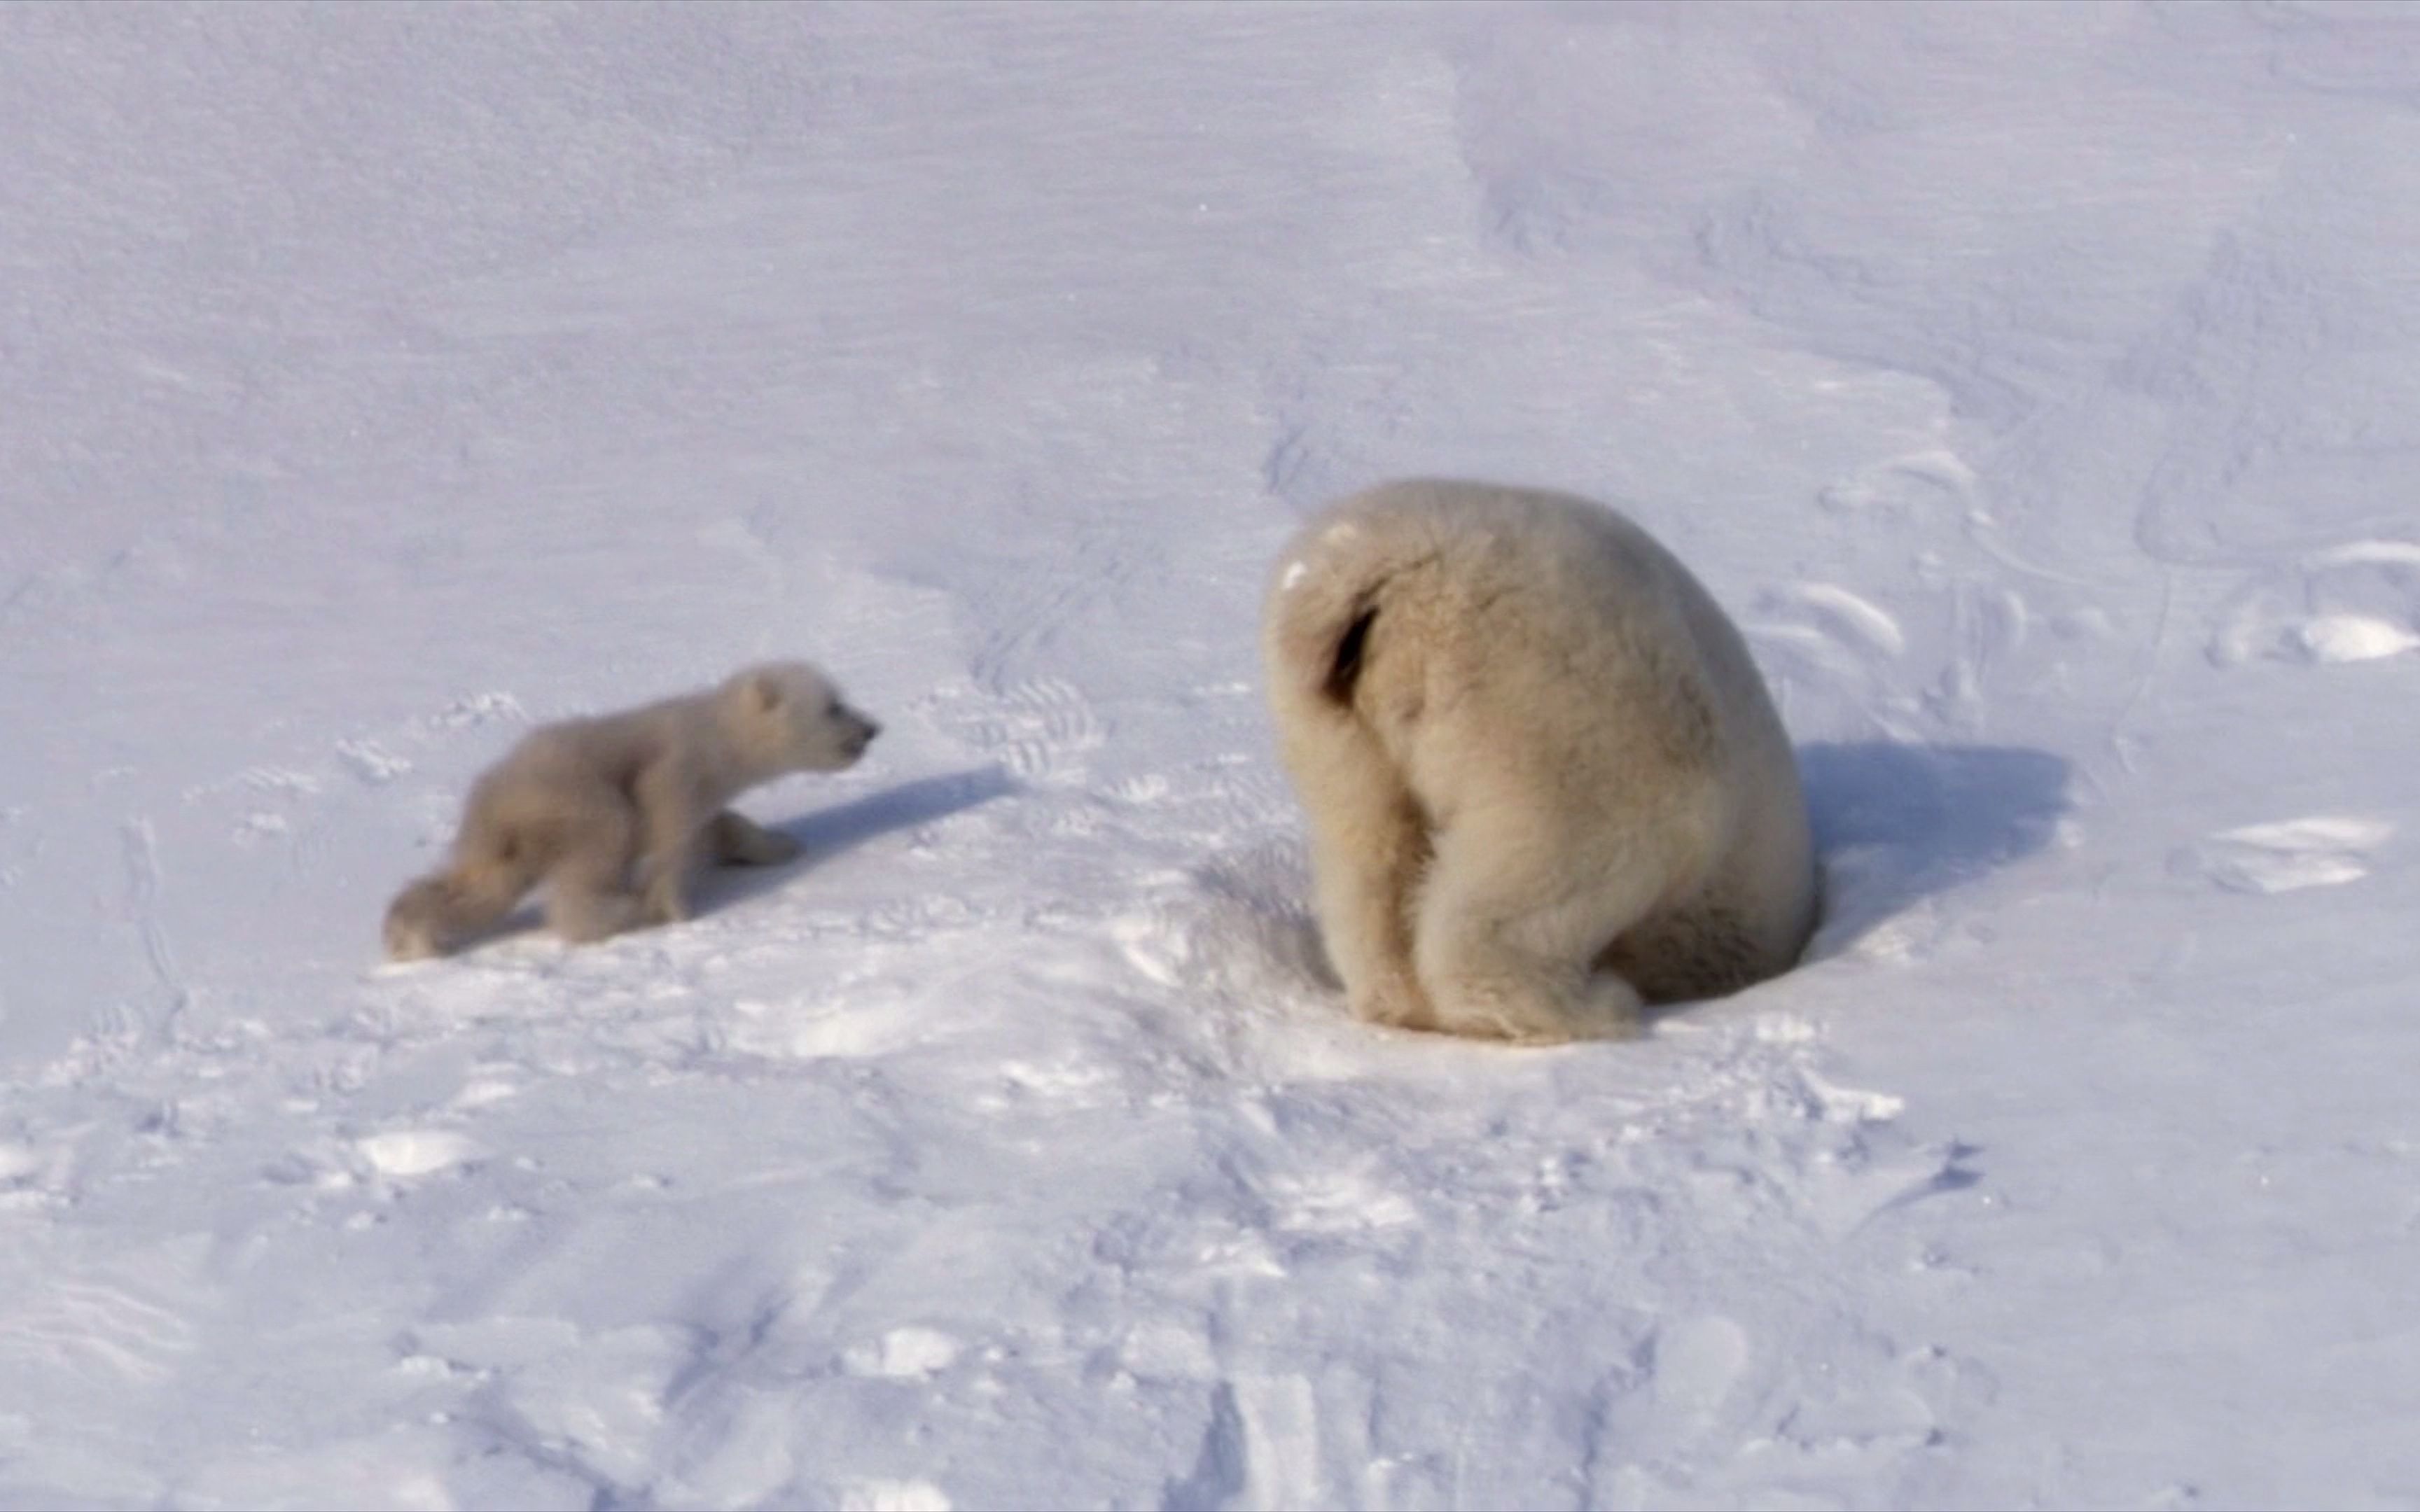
<point x="832" y="832"/>
<point x="1895" y="823"/>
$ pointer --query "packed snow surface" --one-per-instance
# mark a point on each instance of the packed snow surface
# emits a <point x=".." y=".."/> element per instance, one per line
<point x="2038" y="385"/>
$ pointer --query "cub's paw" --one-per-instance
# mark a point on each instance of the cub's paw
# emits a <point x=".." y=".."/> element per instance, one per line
<point x="407" y="941"/>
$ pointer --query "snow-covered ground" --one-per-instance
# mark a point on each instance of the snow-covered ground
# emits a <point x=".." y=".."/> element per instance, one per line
<point x="2038" y="384"/>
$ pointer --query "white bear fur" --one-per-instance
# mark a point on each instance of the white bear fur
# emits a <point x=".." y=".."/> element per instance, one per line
<point x="1544" y="780"/>
<point x="613" y="812"/>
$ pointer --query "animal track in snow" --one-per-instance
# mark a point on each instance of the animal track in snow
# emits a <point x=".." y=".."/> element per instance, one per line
<point x="1843" y="617"/>
<point x="260" y="825"/>
<point x="909" y="1353"/>
<point x="1822" y="635"/>
<point x="2357" y="602"/>
<point x="1261" y="1447"/>
<point x="1864" y="1177"/>
<point x="370" y="762"/>
<point x="894" y="1496"/>
<point x="1046" y="723"/>
<point x="484" y="1090"/>
<point x="30" y="1175"/>
<point x="1696" y="1363"/>
<point x="1905" y="487"/>
<point x="1237" y="925"/>
<point x="1675" y="1384"/>
<point x="2322" y="851"/>
<point x="1338" y="1202"/>
<point x="276" y="782"/>
<point x="799" y="1032"/>
<point x="410" y="1152"/>
<point x="598" y="1400"/>
<point x="478" y="709"/>
<point x="1835" y="1104"/>
<point x="1035" y="729"/>
<point x="91" y="1326"/>
<point x="1068" y="1082"/>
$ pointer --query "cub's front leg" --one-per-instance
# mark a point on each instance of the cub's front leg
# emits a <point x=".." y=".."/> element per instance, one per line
<point x="673" y="820"/>
<point x="735" y="839"/>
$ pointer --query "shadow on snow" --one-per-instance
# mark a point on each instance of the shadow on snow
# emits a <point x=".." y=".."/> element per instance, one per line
<point x="1896" y="823"/>
<point x="832" y="832"/>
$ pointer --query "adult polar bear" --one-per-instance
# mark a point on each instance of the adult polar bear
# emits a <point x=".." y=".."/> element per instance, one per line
<point x="1544" y="780"/>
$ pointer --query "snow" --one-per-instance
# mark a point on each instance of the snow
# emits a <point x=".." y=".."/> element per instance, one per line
<point x="2038" y="385"/>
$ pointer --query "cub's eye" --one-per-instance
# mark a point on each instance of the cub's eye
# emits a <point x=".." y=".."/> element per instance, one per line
<point x="831" y="709"/>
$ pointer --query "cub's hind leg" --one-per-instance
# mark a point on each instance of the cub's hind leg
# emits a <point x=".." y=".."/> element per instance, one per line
<point x="588" y="891"/>
<point x="445" y="910"/>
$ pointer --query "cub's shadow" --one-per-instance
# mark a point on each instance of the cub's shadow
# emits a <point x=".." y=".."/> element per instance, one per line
<point x="835" y="831"/>
<point x="1895" y="823"/>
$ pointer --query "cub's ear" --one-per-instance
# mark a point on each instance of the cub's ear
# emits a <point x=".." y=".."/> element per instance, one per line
<point x="764" y="691"/>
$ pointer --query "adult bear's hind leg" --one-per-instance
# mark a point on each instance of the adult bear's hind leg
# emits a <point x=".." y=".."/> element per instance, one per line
<point x="1506" y="945"/>
<point x="1369" y="847"/>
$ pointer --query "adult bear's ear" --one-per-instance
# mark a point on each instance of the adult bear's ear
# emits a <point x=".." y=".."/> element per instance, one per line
<point x="764" y="691"/>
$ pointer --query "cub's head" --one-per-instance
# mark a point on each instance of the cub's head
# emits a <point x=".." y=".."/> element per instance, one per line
<point x="788" y="718"/>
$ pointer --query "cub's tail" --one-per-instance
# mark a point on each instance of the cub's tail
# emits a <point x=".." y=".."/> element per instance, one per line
<point x="445" y="910"/>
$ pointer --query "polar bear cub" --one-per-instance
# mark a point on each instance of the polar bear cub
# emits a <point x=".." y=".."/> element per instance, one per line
<point x="1544" y="780"/>
<point x="613" y="812"/>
